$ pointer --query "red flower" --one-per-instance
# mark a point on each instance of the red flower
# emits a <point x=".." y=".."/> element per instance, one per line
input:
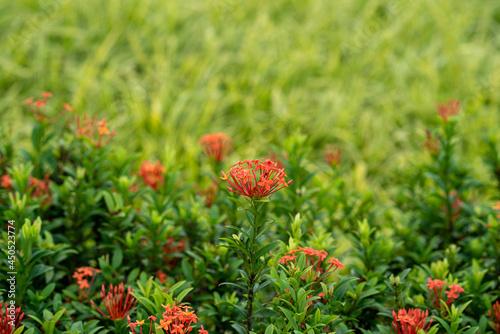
<point x="177" y="320"/>
<point x="255" y="178"/>
<point x="451" y="108"/>
<point x="36" y="108"/>
<point x="162" y="277"/>
<point x="495" y="317"/>
<point x="216" y="145"/>
<point x="453" y="293"/>
<point x="410" y="322"/>
<point x="333" y="155"/>
<point x="41" y="189"/>
<point x="8" y="318"/>
<point x="81" y="279"/>
<point x="431" y="143"/>
<point x="497" y="207"/>
<point x="6" y="181"/>
<point x="87" y="128"/>
<point x="116" y="303"/>
<point x="436" y="286"/>
<point x="152" y="174"/>
<point x="202" y="330"/>
<point x="456" y="205"/>
<point x="314" y="259"/>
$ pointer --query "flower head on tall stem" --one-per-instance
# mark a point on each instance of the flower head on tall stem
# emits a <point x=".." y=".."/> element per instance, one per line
<point x="451" y="108"/>
<point x="9" y="321"/>
<point x="94" y="130"/>
<point x="37" y="108"/>
<point x="495" y="317"/>
<point x="435" y="288"/>
<point x="116" y="302"/>
<point x="152" y="174"/>
<point x="255" y="178"/>
<point x="314" y="259"/>
<point x="411" y="321"/>
<point x="82" y="274"/>
<point x="333" y="155"/>
<point x="453" y="293"/>
<point x="177" y="320"/>
<point x="216" y="145"/>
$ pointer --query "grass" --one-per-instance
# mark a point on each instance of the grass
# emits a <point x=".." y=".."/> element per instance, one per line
<point x="361" y="74"/>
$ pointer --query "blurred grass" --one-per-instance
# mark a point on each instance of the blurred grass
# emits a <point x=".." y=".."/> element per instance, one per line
<point x="362" y="74"/>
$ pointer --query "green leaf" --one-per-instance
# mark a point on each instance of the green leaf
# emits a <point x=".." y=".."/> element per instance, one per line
<point x="48" y="290"/>
<point x="183" y="294"/>
<point x="265" y="313"/>
<point x="117" y="259"/>
<point x="267" y="248"/>
<point x="240" y="329"/>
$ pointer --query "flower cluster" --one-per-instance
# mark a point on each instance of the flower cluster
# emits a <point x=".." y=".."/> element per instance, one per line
<point x="40" y="188"/>
<point x="497" y="207"/>
<point x="451" y="108"/>
<point x="411" y="321"/>
<point x="255" y="178"/>
<point x="456" y="206"/>
<point x="172" y="247"/>
<point x="116" y="303"/>
<point x="10" y="319"/>
<point x="333" y="155"/>
<point x="314" y="259"/>
<point x="431" y="143"/>
<point x="209" y="193"/>
<point x="177" y="320"/>
<point x="81" y="274"/>
<point x="37" y="108"/>
<point x="216" y="145"/>
<point x="495" y="317"/>
<point x="152" y="174"/>
<point x="139" y="323"/>
<point x="435" y="288"/>
<point x="90" y="127"/>
<point x="5" y="181"/>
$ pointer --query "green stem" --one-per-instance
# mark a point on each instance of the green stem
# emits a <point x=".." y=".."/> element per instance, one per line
<point x="253" y="275"/>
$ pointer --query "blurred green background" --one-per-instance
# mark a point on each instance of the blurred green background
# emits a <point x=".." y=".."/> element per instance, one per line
<point x="364" y="75"/>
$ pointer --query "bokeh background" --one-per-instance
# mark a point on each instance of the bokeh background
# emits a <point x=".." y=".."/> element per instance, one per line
<point x="363" y="75"/>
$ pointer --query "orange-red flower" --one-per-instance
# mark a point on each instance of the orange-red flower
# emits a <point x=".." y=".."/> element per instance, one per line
<point x="333" y="155"/>
<point x="451" y="108"/>
<point x="431" y="143"/>
<point x="436" y="286"/>
<point x="172" y="248"/>
<point x="314" y="259"/>
<point x="132" y="325"/>
<point x="209" y="193"/>
<point x="456" y="205"/>
<point x="202" y="330"/>
<point x="495" y="317"/>
<point x="497" y="207"/>
<point x="255" y="178"/>
<point x="152" y="174"/>
<point x="6" y="181"/>
<point x="452" y="294"/>
<point x="177" y="320"/>
<point x="9" y="321"/>
<point x="216" y="145"/>
<point x="81" y="275"/>
<point x="162" y="277"/>
<point x="40" y="188"/>
<point x="37" y="108"/>
<point x="116" y="302"/>
<point x="87" y="127"/>
<point x="411" y="321"/>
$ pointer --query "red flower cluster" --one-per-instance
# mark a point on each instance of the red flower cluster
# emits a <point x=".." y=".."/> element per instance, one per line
<point x="255" y="178"/>
<point x="209" y="193"/>
<point x="273" y="156"/>
<point x="216" y="145"/>
<point x="497" y="207"/>
<point x="132" y="325"/>
<point x="116" y="303"/>
<point x="89" y="127"/>
<point x="333" y="155"/>
<point x="172" y="247"/>
<point x="435" y="289"/>
<point x="451" y="108"/>
<point x="314" y="259"/>
<point x="162" y="277"/>
<point x="411" y="321"/>
<point x="495" y="317"/>
<point x="40" y="188"/>
<point x="177" y="320"/>
<point x="456" y="205"/>
<point x="81" y="275"/>
<point x="9" y="316"/>
<point x="6" y="182"/>
<point x="431" y="143"/>
<point x="152" y="174"/>
<point x="37" y="108"/>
